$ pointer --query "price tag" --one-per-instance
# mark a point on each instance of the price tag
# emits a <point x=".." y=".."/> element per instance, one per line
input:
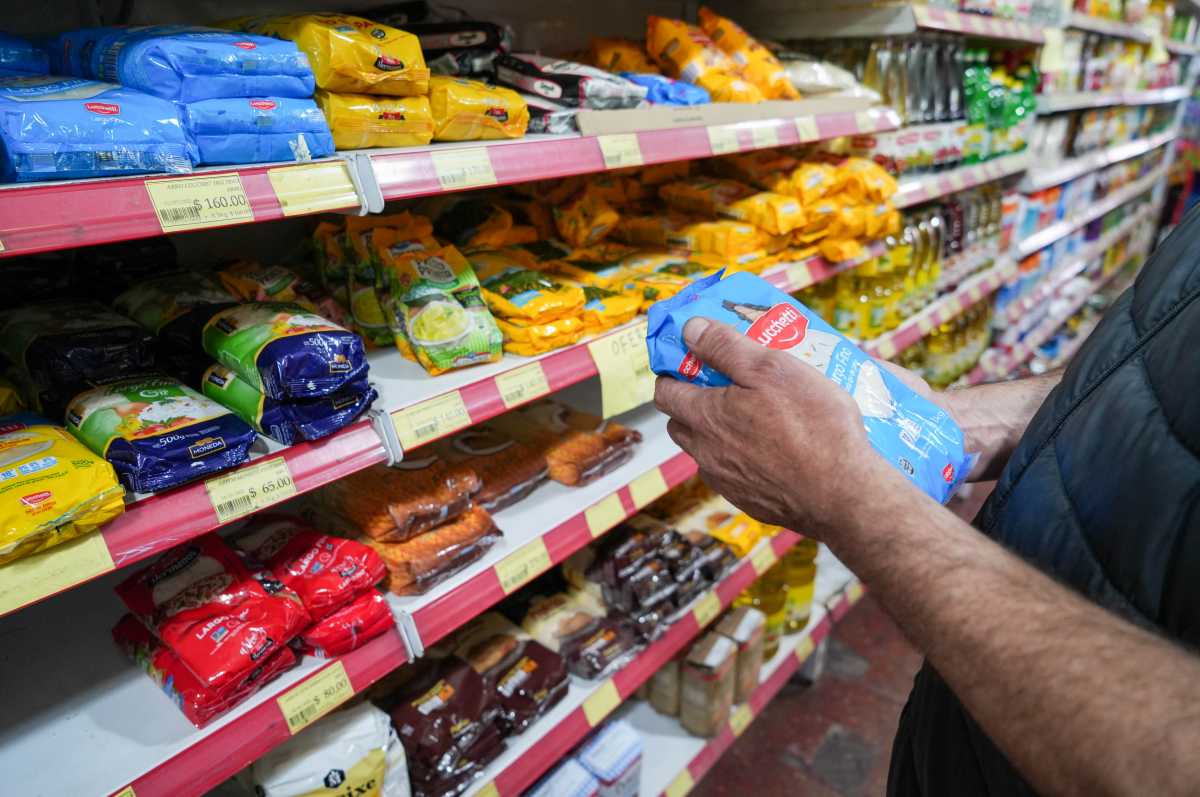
<point x="250" y="488"/>
<point x="804" y="649"/>
<point x="647" y="487"/>
<point x="764" y="136"/>
<point x="952" y="307"/>
<point x="521" y="385"/>
<point x="601" y="703"/>
<point x="806" y="128"/>
<point x="864" y="121"/>
<point x="740" y="719"/>
<point x="523" y="565"/>
<point x="924" y="324"/>
<point x="604" y="514"/>
<point x="975" y="293"/>
<point x="32" y="578"/>
<point x="799" y="276"/>
<point x="681" y="786"/>
<point x="308" y="701"/>
<point x="723" y="139"/>
<point x="126" y="792"/>
<point x="313" y="187"/>
<point x="430" y="419"/>
<point x="885" y="349"/>
<point x="763" y="557"/>
<point x="620" y="150"/>
<point x="854" y="592"/>
<point x="957" y="182"/>
<point x="623" y="361"/>
<point x="707" y="608"/>
<point x="488" y="790"/>
<point x="468" y="167"/>
<point x="190" y="203"/>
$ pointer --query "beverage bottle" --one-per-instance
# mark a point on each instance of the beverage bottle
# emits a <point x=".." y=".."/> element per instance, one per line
<point x="800" y="573"/>
<point x="770" y="598"/>
<point x="845" y="308"/>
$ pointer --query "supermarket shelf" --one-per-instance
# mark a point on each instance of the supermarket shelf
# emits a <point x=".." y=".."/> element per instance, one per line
<point x="1072" y="100"/>
<point x="1074" y="167"/>
<point x="972" y="290"/>
<point x="780" y="20"/>
<point x="1048" y="235"/>
<point x="1108" y="27"/>
<point x="801" y="274"/>
<point x="1181" y="48"/>
<point x="915" y="190"/>
<point x="81" y="699"/>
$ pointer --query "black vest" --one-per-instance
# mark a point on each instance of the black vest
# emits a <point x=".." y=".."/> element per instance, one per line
<point x="1103" y="493"/>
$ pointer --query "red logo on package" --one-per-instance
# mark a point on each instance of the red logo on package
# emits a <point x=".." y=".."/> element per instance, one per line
<point x="691" y="365"/>
<point x="948" y="473"/>
<point x="264" y="105"/>
<point x="781" y="327"/>
<point x="103" y="108"/>
<point x="33" y="499"/>
<point x="246" y="45"/>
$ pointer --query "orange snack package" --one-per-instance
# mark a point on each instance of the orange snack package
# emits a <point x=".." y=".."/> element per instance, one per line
<point x="757" y="64"/>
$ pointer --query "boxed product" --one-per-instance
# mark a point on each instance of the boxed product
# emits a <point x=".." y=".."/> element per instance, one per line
<point x="745" y="626"/>
<point x="257" y="129"/>
<point x="707" y="685"/>
<point x="614" y="757"/>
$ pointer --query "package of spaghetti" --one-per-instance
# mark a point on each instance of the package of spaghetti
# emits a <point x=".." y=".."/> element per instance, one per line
<point x="650" y="229"/>
<point x="619" y="190"/>
<point x="359" y="121"/>
<point x="668" y="91"/>
<point x="607" y="308"/>
<point x="686" y="53"/>
<point x="812" y="181"/>
<point x="22" y="57"/>
<point x="914" y="435"/>
<point x="602" y="266"/>
<point x="468" y="110"/>
<point x="661" y="173"/>
<point x="733" y="239"/>
<point x="347" y="628"/>
<point x="863" y="180"/>
<point x="530" y="338"/>
<point x="528" y="296"/>
<point x="349" y="53"/>
<point x="566" y="82"/>
<point x="619" y="55"/>
<point x="757" y="64"/>
<point x="462" y="47"/>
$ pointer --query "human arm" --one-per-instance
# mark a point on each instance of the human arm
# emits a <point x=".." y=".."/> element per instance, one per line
<point x="1081" y="701"/>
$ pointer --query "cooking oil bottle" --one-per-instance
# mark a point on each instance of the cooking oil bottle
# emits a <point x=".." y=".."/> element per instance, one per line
<point x="800" y="573"/>
<point x="770" y="598"/>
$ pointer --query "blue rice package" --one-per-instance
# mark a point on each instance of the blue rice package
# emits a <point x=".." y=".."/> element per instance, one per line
<point x="918" y="438"/>
<point x="22" y="57"/>
<point x="68" y="128"/>
<point x="257" y="129"/>
<point x="288" y="422"/>
<point x="185" y="63"/>
<point x="667" y="91"/>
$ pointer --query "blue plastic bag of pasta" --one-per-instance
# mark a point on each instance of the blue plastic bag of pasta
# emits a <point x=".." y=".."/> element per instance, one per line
<point x="667" y="91"/>
<point x="257" y="129"/>
<point x="918" y="438"/>
<point x="185" y="63"/>
<point x="22" y="57"/>
<point x="67" y="128"/>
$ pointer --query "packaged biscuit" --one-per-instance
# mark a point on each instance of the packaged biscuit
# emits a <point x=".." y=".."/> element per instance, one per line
<point x="619" y="55"/>
<point x="518" y="294"/>
<point x="433" y="300"/>
<point x="358" y="121"/>
<point x="592" y="644"/>
<point x="909" y="431"/>
<point x="768" y="169"/>
<point x="418" y="563"/>
<point x="467" y="110"/>
<point x="291" y="421"/>
<point x="757" y="64"/>
<point x="349" y="53"/>
<point x="508" y="469"/>
<point x="579" y="447"/>
<point x="257" y="130"/>
<point x="283" y="351"/>
<point x="51" y="488"/>
<point x="685" y="52"/>
<point x="467" y="221"/>
<point x="348" y="628"/>
<point x="614" y="757"/>
<point x="528" y="339"/>
<point x="566" y="82"/>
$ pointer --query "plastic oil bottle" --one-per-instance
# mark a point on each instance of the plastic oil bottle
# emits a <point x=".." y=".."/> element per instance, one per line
<point x="800" y="573"/>
<point x="770" y="598"/>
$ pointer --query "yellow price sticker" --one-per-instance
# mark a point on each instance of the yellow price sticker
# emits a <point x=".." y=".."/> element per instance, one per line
<point x="601" y="703"/>
<point x="952" y="307"/>
<point x="250" y="488"/>
<point x="924" y="324"/>
<point x="763" y="558"/>
<point x="430" y="419"/>
<point x="885" y="349"/>
<point x="707" y="608"/>
<point x="523" y="565"/>
<point x="957" y="182"/>
<point x="647" y="487"/>
<point x="488" y="790"/>
<point x="854" y="592"/>
<point x="764" y="136"/>
<point x="681" y="786"/>
<point x="32" y="578"/>
<point x="468" y="167"/>
<point x="864" y="121"/>
<point x="126" y="792"/>
<point x="623" y="362"/>
<point x="190" y="203"/>
<point x="804" y="649"/>
<point x="313" y="187"/>
<point x="740" y="719"/>
<point x="521" y="385"/>
<point x="313" y="698"/>
<point x="620" y="150"/>
<point x="920" y="13"/>
<point x="604" y="514"/>
<point x="799" y="276"/>
<point x="806" y="128"/>
<point x="723" y="139"/>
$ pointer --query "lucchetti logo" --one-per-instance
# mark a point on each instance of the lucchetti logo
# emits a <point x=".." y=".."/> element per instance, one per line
<point x="781" y="327"/>
<point x="246" y="45"/>
<point x="948" y="473"/>
<point x="103" y="108"/>
<point x="263" y="105"/>
<point x="691" y="365"/>
<point x="33" y="499"/>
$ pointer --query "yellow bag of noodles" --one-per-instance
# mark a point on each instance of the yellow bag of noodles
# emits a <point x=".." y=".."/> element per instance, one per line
<point x="467" y="110"/>
<point x="530" y="339"/>
<point x="468" y="220"/>
<point x="842" y="249"/>
<point x="661" y="173"/>
<point x="620" y="55"/>
<point x="704" y="195"/>
<point x="685" y="52"/>
<point x="349" y="53"/>
<point x="534" y="297"/>
<point x="758" y="64"/>
<point x="724" y="237"/>
<point x="607" y="308"/>
<point x="584" y="218"/>
<point x="768" y="169"/>
<point x="602" y="265"/>
<point x="812" y="181"/>
<point x="358" y="121"/>
<point x="617" y="190"/>
<point x="654" y="229"/>
<point x="655" y="286"/>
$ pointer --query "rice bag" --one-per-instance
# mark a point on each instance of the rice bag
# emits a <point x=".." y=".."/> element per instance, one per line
<point x="221" y="620"/>
<point x="57" y="128"/>
<point x="432" y="300"/>
<point x="21" y="57"/>
<point x="364" y="120"/>
<point x="910" y="432"/>
<point x="349" y="53"/>
<point x="427" y="559"/>
<point x="531" y="296"/>
<point x="584" y="218"/>
<point x="292" y="421"/>
<point x="283" y="351"/>
<point x="348" y="628"/>
<point x="52" y="489"/>
<point x="257" y="130"/>
<point x="757" y="64"/>
<point x="668" y="91"/>
<point x="185" y="63"/>
<point x="686" y="53"/>
<point x="567" y="82"/>
<point x="466" y="47"/>
<point x="467" y="110"/>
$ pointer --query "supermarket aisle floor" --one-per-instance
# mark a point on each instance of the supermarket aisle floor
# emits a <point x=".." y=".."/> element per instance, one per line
<point x="834" y="738"/>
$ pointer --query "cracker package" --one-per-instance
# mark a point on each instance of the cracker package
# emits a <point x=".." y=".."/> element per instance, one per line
<point x="468" y="110"/>
<point x="757" y="64"/>
<point x="365" y="120"/>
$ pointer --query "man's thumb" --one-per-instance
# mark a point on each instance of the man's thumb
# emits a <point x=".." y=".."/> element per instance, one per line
<point x="721" y="347"/>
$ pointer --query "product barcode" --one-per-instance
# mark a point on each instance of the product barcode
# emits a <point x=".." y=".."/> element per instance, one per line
<point x="304" y="716"/>
<point x="181" y="213"/>
<point x="426" y="430"/>
<point x="226" y="508"/>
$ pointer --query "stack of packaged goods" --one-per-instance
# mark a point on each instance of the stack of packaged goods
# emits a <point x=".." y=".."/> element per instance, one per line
<point x="1069" y="135"/>
<point x="1094" y="62"/>
<point x="951" y="349"/>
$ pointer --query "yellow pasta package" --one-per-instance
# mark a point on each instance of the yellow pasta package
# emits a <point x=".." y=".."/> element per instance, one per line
<point x="603" y="266"/>
<point x="467" y="110"/>
<point x="704" y="195"/>
<point x="840" y="249"/>
<point x="619" y="55"/>
<point x="818" y="218"/>
<point x="661" y="173"/>
<point x="881" y="219"/>
<point x="685" y="52"/>
<point x="758" y="64"/>
<point x="520" y="234"/>
<point x="607" y="308"/>
<point x="359" y="121"/>
<point x="468" y="220"/>
<point x="349" y="53"/>
<point x="755" y="262"/>
<point x="812" y="181"/>
<point x="618" y="190"/>
<point x="653" y="229"/>
<point x="723" y="237"/>
<point x="768" y="169"/>
<point x="730" y="88"/>
<point x="850" y="221"/>
<point x="533" y="297"/>
<point x="863" y="180"/>
<point x="532" y="213"/>
<point x="530" y="339"/>
<point x="775" y="214"/>
<point x="584" y="218"/>
<point x="655" y="286"/>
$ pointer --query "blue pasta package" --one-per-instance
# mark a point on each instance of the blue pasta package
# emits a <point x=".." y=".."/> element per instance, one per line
<point x="22" y="57"/>
<point x="257" y="129"/>
<point x="68" y="128"/>
<point x="184" y="63"/>
<point x="667" y="91"/>
<point x="916" y="436"/>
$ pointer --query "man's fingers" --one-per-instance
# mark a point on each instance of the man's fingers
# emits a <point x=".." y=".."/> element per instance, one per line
<point x="680" y="400"/>
<point x="682" y="434"/>
<point x="720" y="346"/>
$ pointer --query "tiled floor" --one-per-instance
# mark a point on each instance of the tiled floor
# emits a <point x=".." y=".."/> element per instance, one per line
<point x="834" y="738"/>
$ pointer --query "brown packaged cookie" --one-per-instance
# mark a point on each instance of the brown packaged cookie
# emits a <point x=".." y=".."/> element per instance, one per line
<point x="578" y="447"/>
<point x="508" y="469"/>
<point x="422" y="561"/>
<point x="591" y="643"/>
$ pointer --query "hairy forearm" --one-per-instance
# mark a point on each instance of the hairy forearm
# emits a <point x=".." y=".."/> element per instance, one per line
<point x="1081" y="701"/>
<point x="993" y="417"/>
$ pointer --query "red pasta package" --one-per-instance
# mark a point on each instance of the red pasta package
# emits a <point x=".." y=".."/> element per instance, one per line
<point x="348" y="628"/>
<point x="221" y="620"/>
<point x="326" y="572"/>
<point x="198" y="704"/>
